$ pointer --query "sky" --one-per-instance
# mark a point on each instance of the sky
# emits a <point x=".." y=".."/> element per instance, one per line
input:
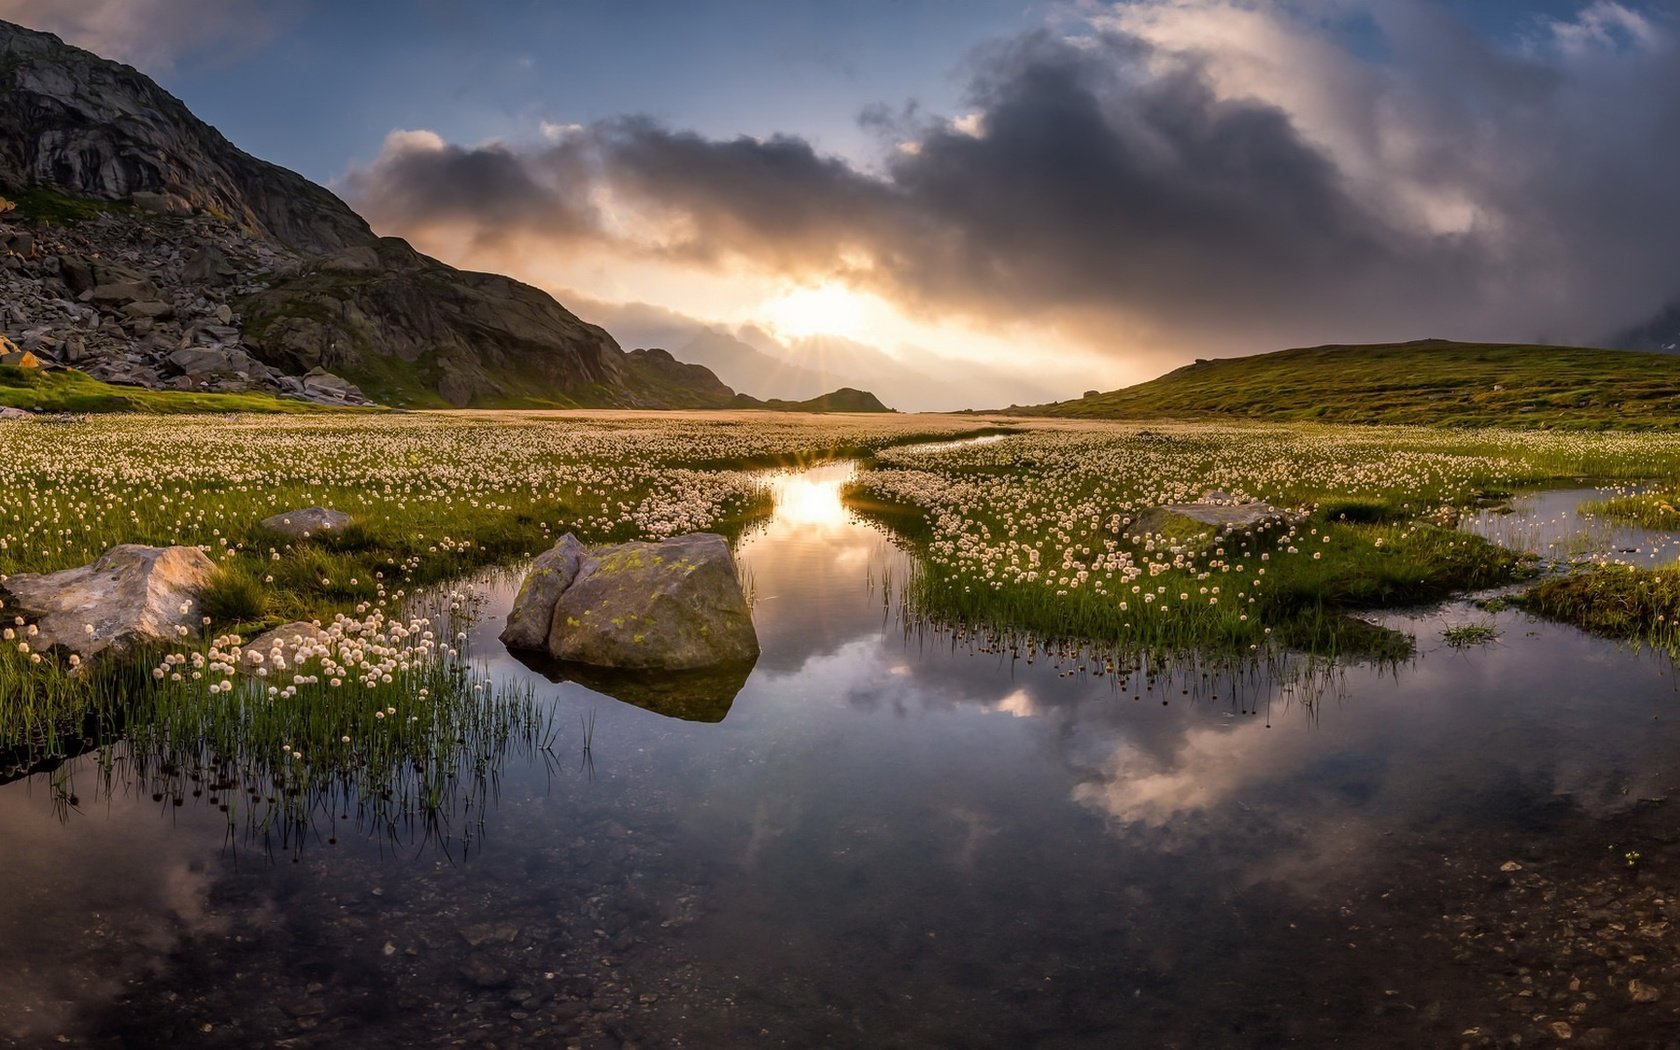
<point x="1013" y="201"/>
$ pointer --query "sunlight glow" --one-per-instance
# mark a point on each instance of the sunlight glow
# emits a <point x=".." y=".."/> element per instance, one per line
<point x="823" y="309"/>
<point x="803" y="502"/>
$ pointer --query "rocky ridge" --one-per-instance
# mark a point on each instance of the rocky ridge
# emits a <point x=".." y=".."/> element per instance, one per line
<point x="138" y="302"/>
<point x="149" y="250"/>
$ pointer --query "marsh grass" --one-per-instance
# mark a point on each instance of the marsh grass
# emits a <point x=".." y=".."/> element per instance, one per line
<point x="49" y="714"/>
<point x="413" y="754"/>
<point x="1616" y="601"/>
<point x="1035" y="532"/>
<point x="1468" y="635"/>
<point x="1651" y="510"/>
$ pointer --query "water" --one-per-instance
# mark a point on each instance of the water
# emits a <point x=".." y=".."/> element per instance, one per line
<point x="892" y="840"/>
<point x="1551" y="524"/>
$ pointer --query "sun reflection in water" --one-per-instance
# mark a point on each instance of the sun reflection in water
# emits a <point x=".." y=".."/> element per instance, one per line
<point x="802" y="501"/>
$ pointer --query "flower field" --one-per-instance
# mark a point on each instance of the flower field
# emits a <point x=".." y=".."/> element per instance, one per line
<point x="1038" y="533"/>
<point x="1033" y="532"/>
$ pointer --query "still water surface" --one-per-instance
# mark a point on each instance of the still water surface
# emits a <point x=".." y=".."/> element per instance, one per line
<point x="906" y="840"/>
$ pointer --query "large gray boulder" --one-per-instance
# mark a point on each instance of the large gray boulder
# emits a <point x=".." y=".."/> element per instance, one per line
<point x="132" y="596"/>
<point x="302" y="524"/>
<point x="670" y="605"/>
<point x="532" y="618"/>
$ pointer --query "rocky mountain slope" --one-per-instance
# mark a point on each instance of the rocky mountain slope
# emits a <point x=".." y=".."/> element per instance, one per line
<point x="146" y="249"/>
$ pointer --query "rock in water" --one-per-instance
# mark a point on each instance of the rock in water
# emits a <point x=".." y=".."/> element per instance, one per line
<point x="672" y="605"/>
<point x="131" y="596"/>
<point x="532" y="618"/>
<point x="302" y="524"/>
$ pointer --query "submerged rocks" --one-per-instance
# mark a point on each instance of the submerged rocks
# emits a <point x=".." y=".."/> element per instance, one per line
<point x="131" y="596"/>
<point x="302" y="524"/>
<point x="670" y="605"/>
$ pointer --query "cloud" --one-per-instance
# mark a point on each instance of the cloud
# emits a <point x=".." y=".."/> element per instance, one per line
<point x="1172" y="177"/>
<point x="148" y="34"/>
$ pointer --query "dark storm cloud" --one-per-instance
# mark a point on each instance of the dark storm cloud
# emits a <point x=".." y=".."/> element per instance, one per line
<point x="1113" y="184"/>
<point x="420" y="177"/>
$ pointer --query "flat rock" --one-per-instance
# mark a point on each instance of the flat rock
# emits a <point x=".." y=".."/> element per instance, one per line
<point x="20" y="359"/>
<point x="1220" y="514"/>
<point x="532" y="618"/>
<point x="8" y="412"/>
<point x="126" y="292"/>
<point x="156" y="310"/>
<point x="279" y="649"/>
<point x="674" y="605"/>
<point x="131" y="596"/>
<point x="196" y="359"/>
<point x="302" y="524"/>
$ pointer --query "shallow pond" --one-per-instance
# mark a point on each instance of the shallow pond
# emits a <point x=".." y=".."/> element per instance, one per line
<point x="908" y="839"/>
<point x="1552" y="524"/>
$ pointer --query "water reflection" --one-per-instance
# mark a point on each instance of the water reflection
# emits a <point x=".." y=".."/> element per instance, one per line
<point x="912" y="840"/>
<point x="700" y="695"/>
<point x="1552" y="524"/>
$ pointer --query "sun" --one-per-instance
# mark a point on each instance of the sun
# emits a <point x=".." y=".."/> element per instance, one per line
<point x="822" y="309"/>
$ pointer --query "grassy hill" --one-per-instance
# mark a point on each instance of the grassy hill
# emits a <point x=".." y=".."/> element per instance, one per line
<point x="69" y="391"/>
<point x="1430" y="382"/>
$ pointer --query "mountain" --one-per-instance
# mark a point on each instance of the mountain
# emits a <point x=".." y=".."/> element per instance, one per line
<point x="844" y="399"/>
<point x="1433" y="382"/>
<point x="1661" y="334"/>
<point x="151" y="251"/>
<point x="749" y="369"/>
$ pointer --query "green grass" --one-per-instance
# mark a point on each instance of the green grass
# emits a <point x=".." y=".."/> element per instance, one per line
<point x="411" y="753"/>
<point x="1467" y="635"/>
<point x="1035" y="533"/>
<point x="433" y="498"/>
<point x="41" y="390"/>
<point x="46" y="206"/>
<point x="1615" y="601"/>
<point x="1431" y="382"/>
<point x="1650" y="510"/>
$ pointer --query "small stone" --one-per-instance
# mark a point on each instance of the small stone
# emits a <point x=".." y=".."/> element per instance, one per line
<point x="482" y="933"/>
<point x="1640" y="992"/>
<point x="1562" y="1030"/>
<point x="1510" y="866"/>
<point x="483" y="972"/>
<point x="301" y="524"/>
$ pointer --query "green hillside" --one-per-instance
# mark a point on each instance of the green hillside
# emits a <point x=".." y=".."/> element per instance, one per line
<point x="1430" y="382"/>
<point x="40" y="390"/>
